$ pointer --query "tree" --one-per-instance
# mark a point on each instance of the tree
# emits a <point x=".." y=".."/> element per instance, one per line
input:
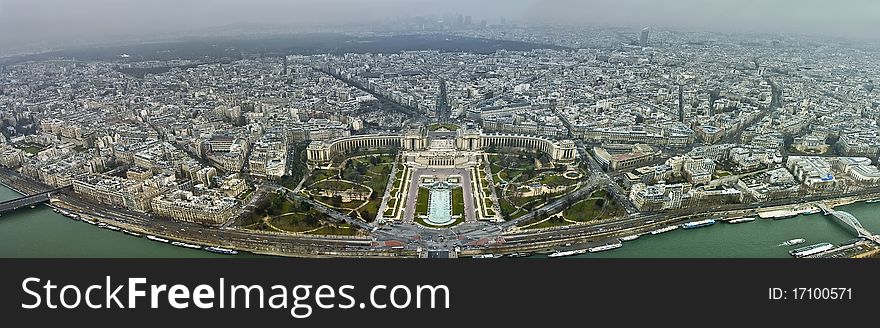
<point x="369" y="217"/>
<point x="600" y="202"/>
<point x="311" y="220"/>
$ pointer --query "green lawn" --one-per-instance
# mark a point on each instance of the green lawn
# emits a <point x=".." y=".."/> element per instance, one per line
<point x="337" y="185"/>
<point x="488" y="202"/>
<point x="495" y="168"/>
<point x="422" y="202"/>
<point x="506" y="207"/>
<point x="341" y="230"/>
<point x="598" y="207"/>
<point x="295" y="222"/>
<point x="370" y="210"/>
<point x="32" y="149"/>
<point x="457" y="201"/>
<point x="318" y="175"/>
<point x="246" y="193"/>
<point x="585" y="210"/>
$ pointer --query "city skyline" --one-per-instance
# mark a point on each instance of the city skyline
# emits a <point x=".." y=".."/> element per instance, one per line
<point x="36" y="25"/>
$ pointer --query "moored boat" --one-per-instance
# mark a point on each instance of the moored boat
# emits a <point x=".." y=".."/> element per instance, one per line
<point x="810" y="250"/>
<point x="159" y="239"/>
<point x="221" y="250"/>
<point x="187" y="245"/>
<point x="568" y="253"/>
<point x="630" y="237"/>
<point x="697" y="224"/>
<point x="605" y="247"/>
<point x="664" y="229"/>
<point x="792" y="242"/>
<point x="132" y="233"/>
<point x="741" y="220"/>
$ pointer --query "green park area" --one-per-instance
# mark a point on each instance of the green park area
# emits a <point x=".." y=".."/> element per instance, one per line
<point x="32" y="148"/>
<point x="422" y="202"/>
<point x="362" y="173"/>
<point x="599" y="206"/>
<point x="276" y="212"/>
<point x="515" y="172"/>
<point x="373" y="171"/>
<point x="457" y="201"/>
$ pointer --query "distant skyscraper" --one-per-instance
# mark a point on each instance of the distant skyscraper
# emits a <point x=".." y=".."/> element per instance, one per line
<point x="467" y="20"/>
<point x="643" y="40"/>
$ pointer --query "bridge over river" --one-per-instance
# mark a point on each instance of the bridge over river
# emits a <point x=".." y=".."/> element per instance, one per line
<point x="29" y="200"/>
<point x="851" y="221"/>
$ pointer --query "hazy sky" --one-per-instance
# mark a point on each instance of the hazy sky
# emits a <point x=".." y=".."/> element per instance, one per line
<point x="47" y="21"/>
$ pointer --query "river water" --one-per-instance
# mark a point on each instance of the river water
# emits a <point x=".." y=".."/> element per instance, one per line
<point x="40" y="232"/>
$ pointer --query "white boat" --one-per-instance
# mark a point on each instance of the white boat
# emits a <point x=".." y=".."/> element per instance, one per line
<point x="132" y="233"/>
<point x="810" y="250"/>
<point x="812" y="211"/>
<point x="486" y="256"/>
<point x="630" y="237"/>
<point x="605" y="247"/>
<point x="568" y="253"/>
<point x="664" y="229"/>
<point x="159" y="239"/>
<point x="110" y="227"/>
<point x="182" y="244"/>
<point x="740" y="220"/>
<point x="697" y="224"/>
<point x="792" y="242"/>
<point x="221" y="250"/>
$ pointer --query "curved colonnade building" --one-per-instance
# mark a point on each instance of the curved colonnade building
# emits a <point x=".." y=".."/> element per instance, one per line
<point x="321" y="152"/>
